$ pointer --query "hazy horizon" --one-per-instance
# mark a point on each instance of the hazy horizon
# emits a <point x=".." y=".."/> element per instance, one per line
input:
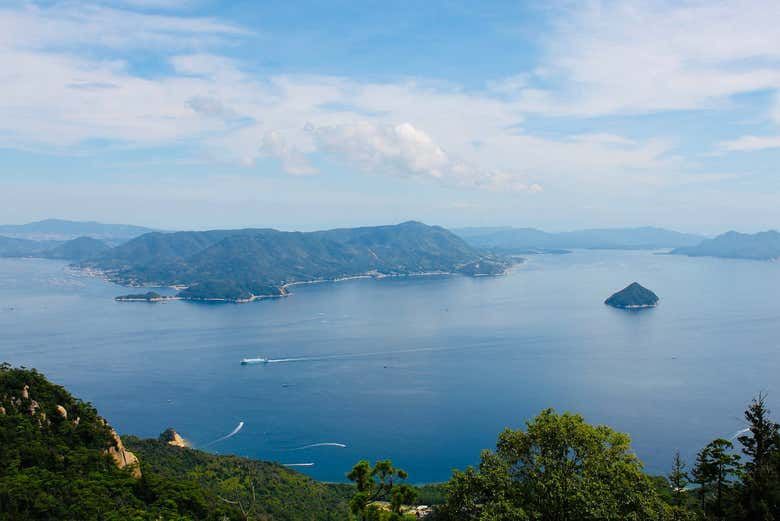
<point x="326" y="227"/>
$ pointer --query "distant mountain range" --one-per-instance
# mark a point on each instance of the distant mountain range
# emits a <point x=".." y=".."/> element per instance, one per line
<point x="62" y="230"/>
<point x="734" y="245"/>
<point x="530" y="240"/>
<point x="78" y="249"/>
<point x="243" y="264"/>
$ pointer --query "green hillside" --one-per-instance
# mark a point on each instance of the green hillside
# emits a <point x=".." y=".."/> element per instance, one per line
<point x="60" y="461"/>
<point x="237" y="264"/>
<point x="78" y="249"/>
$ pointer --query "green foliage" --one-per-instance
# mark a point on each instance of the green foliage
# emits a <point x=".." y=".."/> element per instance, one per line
<point x="678" y="479"/>
<point x="56" y="468"/>
<point x="268" y="489"/>
<point x="715" y="470"/>
<point x="761" y="482"/>
<point x="558" y="468"/>
<point x="148" y="296"/>
<point x="236" y="264"/>
<point x="379" y="483"/>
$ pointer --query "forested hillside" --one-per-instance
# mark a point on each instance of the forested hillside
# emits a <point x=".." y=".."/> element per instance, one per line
<point x="62" y="461"/>
<point x="240" y="264"/>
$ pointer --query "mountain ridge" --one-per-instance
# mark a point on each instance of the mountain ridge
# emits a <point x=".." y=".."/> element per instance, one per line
<point x="64" y="230"/>
<point x="734" y="245"/>
<point x="241" y="265"/>
<point x="528" y="239"/>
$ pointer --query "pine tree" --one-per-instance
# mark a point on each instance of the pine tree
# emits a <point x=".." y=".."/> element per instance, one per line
<point x="714" y="472"/>
<point x="679" y="479"/>
<point x="761" y="492"/>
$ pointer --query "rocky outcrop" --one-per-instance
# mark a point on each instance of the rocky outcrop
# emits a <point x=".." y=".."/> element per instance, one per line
<point x="123" y="457"/>
<point x="62" y="412"/>
<point x="171" y="437"/>
<point x="26" y="392"/>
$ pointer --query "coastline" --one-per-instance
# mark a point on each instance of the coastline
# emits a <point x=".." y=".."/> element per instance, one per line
<point x="283" y="289"/>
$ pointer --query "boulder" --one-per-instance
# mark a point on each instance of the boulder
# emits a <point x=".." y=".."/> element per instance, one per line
<point x="171" y="437"/>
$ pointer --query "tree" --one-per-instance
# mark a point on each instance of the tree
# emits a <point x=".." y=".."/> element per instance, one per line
<point x="378" y="483"/>
<point x="761" y="490"/>
<point x="714" y="472"/>
<point x="678" y="479"/>
<point x="559" y="469"/>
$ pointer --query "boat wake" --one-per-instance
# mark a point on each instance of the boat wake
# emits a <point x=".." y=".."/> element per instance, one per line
<point x="739" y="433"/>
<point x="323" y="444"/>
<point x="229" y="435"/>
<point x="350" y="356"/>
<point x="298" y="464"/>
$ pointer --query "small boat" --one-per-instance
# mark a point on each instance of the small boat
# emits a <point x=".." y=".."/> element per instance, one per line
<point x="251" y="361"/>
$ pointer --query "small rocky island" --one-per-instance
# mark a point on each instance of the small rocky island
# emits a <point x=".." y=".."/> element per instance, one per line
<point x="633" y="296"/>
<point x="149" y="296"/>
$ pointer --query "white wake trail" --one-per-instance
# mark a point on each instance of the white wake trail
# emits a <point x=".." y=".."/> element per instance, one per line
<point x="323" y="444"/>
<point x="298" y="464"/>
<point x="739" y="433"/>
<point x="229" y="435"/>
<point x="350" y="356"/>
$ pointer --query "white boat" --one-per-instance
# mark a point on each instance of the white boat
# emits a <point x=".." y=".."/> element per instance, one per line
<point x="251" y="361"/>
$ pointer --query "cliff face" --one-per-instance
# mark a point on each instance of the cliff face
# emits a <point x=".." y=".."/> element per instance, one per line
<point x="38" y="413"/>
<point x="123" y="457"/>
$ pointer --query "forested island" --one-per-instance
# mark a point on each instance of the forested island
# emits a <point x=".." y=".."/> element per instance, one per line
<point x="149" y="296"/>
<point x="242" y="265"/>
<point x="633" y="296"/>
<point x="61" y="460"/>
<point x="734" y="245"/>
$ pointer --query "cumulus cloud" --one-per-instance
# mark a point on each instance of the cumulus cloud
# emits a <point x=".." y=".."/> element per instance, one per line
<point x="406" y="151"/>
<point x="55" y="97"/>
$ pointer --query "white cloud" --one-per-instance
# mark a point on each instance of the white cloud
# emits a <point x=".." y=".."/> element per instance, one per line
<point x="406" y="151"/>
<point x="74" y="25"/>
<point x="613" y="56"/>
<point x="54" y="97"/>
<point x="751" y="143"/>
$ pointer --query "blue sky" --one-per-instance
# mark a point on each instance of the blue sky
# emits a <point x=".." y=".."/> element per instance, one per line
<point x="305" y="115"/>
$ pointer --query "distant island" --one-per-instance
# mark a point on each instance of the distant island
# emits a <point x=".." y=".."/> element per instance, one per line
<point x="734" y="245"/>
<point x="244" y="265"/>
<point x="531" y="240"/>
<point x="74" y="241"/>
<point x="149" y="296"/>
<point x="78" y="249"/>
<point x="63" y="230"/>
<point x="633" y="296"/>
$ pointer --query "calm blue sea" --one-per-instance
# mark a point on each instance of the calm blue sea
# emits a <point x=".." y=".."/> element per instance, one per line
<point x="425" y="371"/>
